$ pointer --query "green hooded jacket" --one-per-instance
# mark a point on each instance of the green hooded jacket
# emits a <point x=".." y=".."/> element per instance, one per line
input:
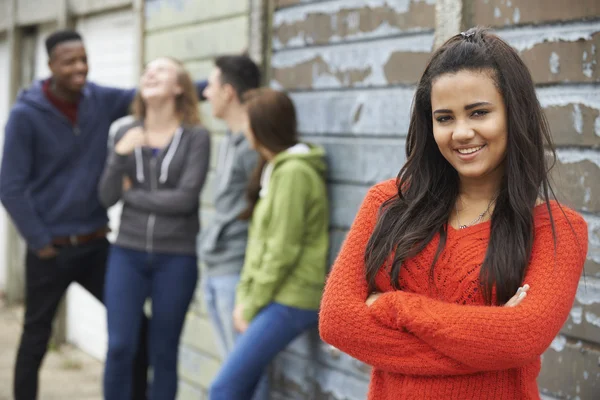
<point x="286" y="256"/>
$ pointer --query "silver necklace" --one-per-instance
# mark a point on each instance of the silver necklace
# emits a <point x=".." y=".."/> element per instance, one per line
<point x="476" y="220"/>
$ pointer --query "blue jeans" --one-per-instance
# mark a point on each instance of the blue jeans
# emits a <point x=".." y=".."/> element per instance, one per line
<point x="270" y="332"/>
<point x="133" y="276"/>
<point x="219" y="295"/>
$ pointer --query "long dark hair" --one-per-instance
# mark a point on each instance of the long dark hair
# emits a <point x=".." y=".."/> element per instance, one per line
<point x="272" y="117"/>
<point x="428" y="185"/>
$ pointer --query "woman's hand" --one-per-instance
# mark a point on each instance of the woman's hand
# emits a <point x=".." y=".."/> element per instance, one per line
<point x="372" y="297"/>
<point x="133" y="138"/>
<point x="126" y="184"/>
<point x="239" y="322"/>
<point x="518" y="297"/>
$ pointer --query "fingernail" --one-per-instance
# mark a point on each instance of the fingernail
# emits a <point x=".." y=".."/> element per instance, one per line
<point x="526" y="287"/>
<point x="523" y="294"/>
<point x="520" y="288"/>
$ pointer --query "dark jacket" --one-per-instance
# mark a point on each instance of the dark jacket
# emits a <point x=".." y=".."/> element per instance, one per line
<point x="50" y="167"/>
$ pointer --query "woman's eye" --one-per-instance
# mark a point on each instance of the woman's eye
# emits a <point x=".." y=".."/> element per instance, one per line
<point x="480" y="113"/>
<point x="443" y="118"/>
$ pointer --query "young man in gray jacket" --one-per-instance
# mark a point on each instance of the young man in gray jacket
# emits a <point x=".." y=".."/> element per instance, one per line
<point x="223" y="241"/>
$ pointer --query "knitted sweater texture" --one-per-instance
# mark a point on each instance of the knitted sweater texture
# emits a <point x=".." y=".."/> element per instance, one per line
<point x="440" y="340"/>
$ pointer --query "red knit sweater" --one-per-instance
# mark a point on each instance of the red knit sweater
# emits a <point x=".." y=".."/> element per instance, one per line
<point x="444" y="342"/>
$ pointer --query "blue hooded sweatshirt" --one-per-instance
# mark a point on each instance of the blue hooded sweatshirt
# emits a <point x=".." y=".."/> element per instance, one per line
<point x="50" y="167"/>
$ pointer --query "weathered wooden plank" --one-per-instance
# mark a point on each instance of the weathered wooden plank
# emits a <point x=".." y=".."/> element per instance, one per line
<point x="190" y="42"/>
<point x="161" y="14"/>
<point x="574" y="124"/>
<point x="570" y="370"/>
<point x="502" y="12"/>
<point x="584" y="319"/>
<point x="361" y="160"/>
<point x="81" y="7"/>
<point x="399" y="60"/>
<point x="577" y="178"/>
<point x="386" y="111"/>
<point x="296" y="377"/>
<point x="564" y="55"/>
<point x="565" y="61"/>
<point x="30" y="12"/>
<point x="341" y="20"/>
<point x="577" y="128"/>
<point x="369" y="112"/>
<point x="345" y="201"/>
<point x="593" y="256"/>
<point x="197" y="368"/>
<point x="198" y="334"/>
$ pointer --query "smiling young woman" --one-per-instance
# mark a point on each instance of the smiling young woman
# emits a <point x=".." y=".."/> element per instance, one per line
<point x="456" y="276"/>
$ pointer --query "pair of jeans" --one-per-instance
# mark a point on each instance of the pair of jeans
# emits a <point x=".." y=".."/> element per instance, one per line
<point x="46" y="281"/>
<point x="219" y="295"/>
<point x="270" y="332"/>
<point x="132" y="277"/>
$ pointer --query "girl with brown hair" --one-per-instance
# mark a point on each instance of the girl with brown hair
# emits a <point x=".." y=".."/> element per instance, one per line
<point x="286" y="257"/>
<point x="456" y="276"/>
<point x="157" y="167"/>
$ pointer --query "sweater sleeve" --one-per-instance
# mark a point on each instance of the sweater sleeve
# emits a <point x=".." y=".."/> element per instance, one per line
<point x="345" y="320"/>
<point x="185" y="197"/>
<point x="17" y="165"/>
<point x="284" y="242"/>
<point x="110" y="185"/>
<point x="492" y="338"/>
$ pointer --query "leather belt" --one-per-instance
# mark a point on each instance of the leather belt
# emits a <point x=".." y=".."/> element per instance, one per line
<point x="75" y="240"/>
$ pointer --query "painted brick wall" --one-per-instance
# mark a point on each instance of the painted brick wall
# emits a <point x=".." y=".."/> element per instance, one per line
<point x="351" y="67"/>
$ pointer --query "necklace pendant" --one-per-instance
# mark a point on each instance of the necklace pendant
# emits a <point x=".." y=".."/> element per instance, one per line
<point x="462" y="226"/>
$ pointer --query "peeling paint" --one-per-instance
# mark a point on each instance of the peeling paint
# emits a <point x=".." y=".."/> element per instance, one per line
<point x="588" y="67"/>
<point x="355" y="55"/>
<point x="566" y="94"/>
<point x="577" y="118"/>
<point x="290" y="19"/>
<point x="516" y="15"/>
<point x="588" y="292"/>
<point x="597" y="126"/>
<point x="576" y="315"/>
<point x="297" y="14"/>
<point x="358" y="64"/>
<point x="593" y="222"/>
<point x="559" y="343"/>
<point x="587" y="197"/>
<point x="554" y="63"/>
<point x="592" y="318"/>
<point x="570" y="156"/>
<point x="586" y="375"/>
<point x="527" y="37"/>
<point x="497" y="13"/>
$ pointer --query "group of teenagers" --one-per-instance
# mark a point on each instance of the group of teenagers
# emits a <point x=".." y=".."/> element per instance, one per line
<point x="452" y="281"/>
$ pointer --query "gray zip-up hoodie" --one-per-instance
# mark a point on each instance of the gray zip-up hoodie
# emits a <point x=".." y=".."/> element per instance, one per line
<point x="160" y="210"/>
<point x="223" y="241"/>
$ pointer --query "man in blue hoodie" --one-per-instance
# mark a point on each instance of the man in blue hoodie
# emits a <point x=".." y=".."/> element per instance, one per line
<point x="54" y="153"/>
